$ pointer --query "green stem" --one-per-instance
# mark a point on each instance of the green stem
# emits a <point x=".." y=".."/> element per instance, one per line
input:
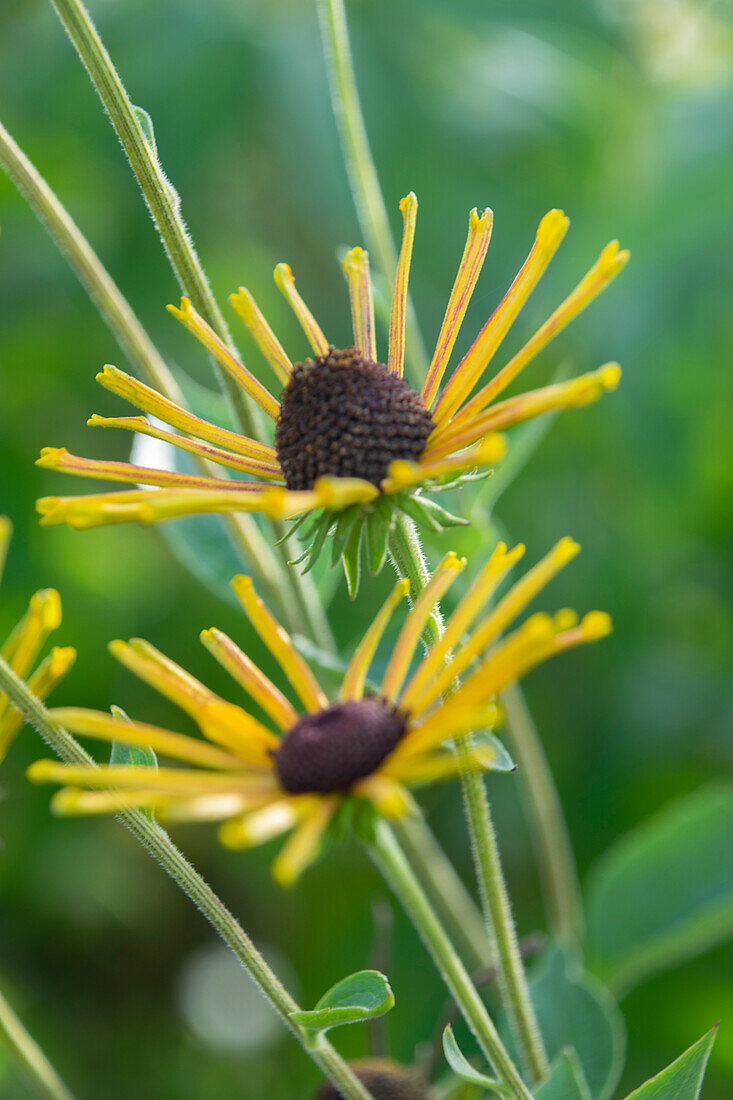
<point x="360" y="168"/>
<point x="30" y="1056"/>
<point x="554" y="853"/>
<point x="164" y="205"/>
<point x="409" y="560"/>
<point x="160" y="196"/>
<point x="446" y="891"/>
<point x="159" y="845"/>
<point x="391" y="861"/>
<point x="119" y="317"/>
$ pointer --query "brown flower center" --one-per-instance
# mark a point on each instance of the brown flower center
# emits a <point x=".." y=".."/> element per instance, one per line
<point x="343" y="415"/>
<point x="328" y="751"/>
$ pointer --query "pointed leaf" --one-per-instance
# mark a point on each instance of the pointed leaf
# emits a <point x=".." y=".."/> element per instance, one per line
<point x="664" y="892"/>
<point x="130" y="754"/>
<point x="566" y="1080"/>
<point x="146" y="124"/>
<point x="683" y="1079"/>
<point x="461" y="1065"/>
<point x="365" y="995"/>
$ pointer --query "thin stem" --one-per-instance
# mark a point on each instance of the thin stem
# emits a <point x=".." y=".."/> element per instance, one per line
<point x="159" y="845"/>
<point x="409" y="560"/>
<point x="391" y="861"/>
<point x="553" y="850"/>
<point x="163" y="203"/>
<point x="161" y="198"/>
<point x="30" y="1056"/>
<point x="368" y="199"/>
<point x="119" y="317"/>
<point x="446" y="890"/>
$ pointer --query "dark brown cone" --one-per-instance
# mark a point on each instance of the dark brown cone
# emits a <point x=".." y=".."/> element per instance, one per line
<point x="345" y="416"/>
<point x="385" y="1080"/>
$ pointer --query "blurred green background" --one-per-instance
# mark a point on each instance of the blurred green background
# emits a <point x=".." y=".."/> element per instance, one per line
<point x="618" y="111"/>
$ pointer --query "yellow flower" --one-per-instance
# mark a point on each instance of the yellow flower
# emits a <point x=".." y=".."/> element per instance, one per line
<point x="349" y="430"/>
<point x="23" y="646"/>
<point x="361" y="749"/>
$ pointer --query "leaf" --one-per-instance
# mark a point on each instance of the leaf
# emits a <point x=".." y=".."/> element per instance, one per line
<point x="683" y="1079"/>
<point x="664" y="892"/>
<point x="462" y="1067"/>
<point x="377" y="535"/>
<point x="566" y="1080"/>
<point x="502" y="761"/>
<point x="575" y="1010"/>
<point x="130" y="754"/>
<point x="365" y="995"/>
<point x="352" y="558"/>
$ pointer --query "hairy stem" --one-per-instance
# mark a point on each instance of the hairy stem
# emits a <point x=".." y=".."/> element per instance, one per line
<point x="391" y="861"/>
<point x="28" y="1053"/>
<point x="119" y="317"/>
<point x="409" y="560"/>
<point x="159" y="845"/>
<point x="360" y="168"/>
<point x="553" y="850"/>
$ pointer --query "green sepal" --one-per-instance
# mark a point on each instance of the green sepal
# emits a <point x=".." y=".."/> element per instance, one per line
<point x="319" y="541"/>
<point x="341" y="532"/>
<point x="442" y="515"/>
<point x="683" y="1079"/>
<point x="463" y="1068"/>
<point x="377" y="539"/>
<point x="352" y="557"/>
<point x="363" y="996"/>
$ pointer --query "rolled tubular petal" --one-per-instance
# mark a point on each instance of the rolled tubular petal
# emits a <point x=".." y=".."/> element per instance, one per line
<point x="175" y="746"/>
<point x="267" y="468"/>
<point x="303" y="845"/>
<point x="188" y="316"/>
<point x="474" y="253"/>
<point x="150" y="401"/>
<point x="27" y="638"/>
<point x="550" y="233"/>
<point x="266" y="340"/>
<point x="403" y="474"/>
<point x="409" y="637"/>
<point x="6" y="531"/>
<point x="573" y="394"/>
<point x="250" y="677"/>
<point x="286" y="283"/>
<point x="396" y="354"/>
<point x="259" y="826"/>
<point x="507" y="609"/>
<point x="450" y="720"/>
<point x="478" y="595"/>
<point x="356" y="266"/>
<point x="606" y="268"/>
<point x="46" y="677"/>
<point x="58" y="458"/>
<point x="353" y="682"/>
<point x="280" y="644"/>
<point x="183" y="781"/>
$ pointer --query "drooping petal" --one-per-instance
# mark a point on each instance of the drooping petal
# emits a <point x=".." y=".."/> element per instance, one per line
<point x="302" y="846"/>
<point x="280" y="644"/>
<point x="251" y="678"/>
<point x="286" y="283"/>
<point x="195" y="323"/>
<point x="266" y="340"/>
<point x="264" y="467"/>
<point x="58" y="458"/>
<point x="258" y="826"/>
<point x="46" y="677"/>
<point x="409" y="637"/>
<point x="356" y="266"/>
<point x="353" y="683"/>
<point x="150" y="401"/>
<point x="550" y="233"/>
<point x="474" y="253"/>
<point x="389" y="798"/>
<point x="396" y="354"/>
<point x="452" y="719"/>
<point x="184" y="781"/>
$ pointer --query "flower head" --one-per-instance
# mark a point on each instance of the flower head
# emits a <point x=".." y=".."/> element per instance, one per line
<point x="350" y="434"/>
<point x="308" y="762"/>
<point x="23" y="646"/>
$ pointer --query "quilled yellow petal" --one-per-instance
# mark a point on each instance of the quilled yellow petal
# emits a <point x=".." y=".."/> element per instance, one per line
<point x="286" y="283"/>
<point x="396" y="354"/>
<point x="353" y="683"/>
<point x="266" y="340"/>
<point x="356" y="266"/>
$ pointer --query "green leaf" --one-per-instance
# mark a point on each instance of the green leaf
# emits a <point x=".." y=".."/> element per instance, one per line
<point x="146" y="124"/>
<point x="683" y="1079"/>
<point x="502" y="761"/>
<point x="664" y="892"/>
<point x="365" y="995"/>
<point x="461" y="1065"/>
<point x="130" y="754"/>
<point x="575" y="1010"/>
<point x="566" y="1080"/>
<point x="377" y="535"/>
<point x="352" y="558"/>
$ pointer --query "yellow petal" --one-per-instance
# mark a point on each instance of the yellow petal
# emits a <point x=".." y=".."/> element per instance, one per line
<point x="396" y="355"/>
<point x="265" y="338"/>
<point x="474" y="253"/>
<point x="353" y="684"/>
<point x="251" y="678"/>
<point x="46" y="677"/>
<point x="58" y="458"/>
<point x="6" y="531"/>
<point x="302" y="847"/>
<point x="258" y="826"/>
<point x="286" y="283"/>
<point x="389" y="798"/>
<point x="356" y="266"/>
